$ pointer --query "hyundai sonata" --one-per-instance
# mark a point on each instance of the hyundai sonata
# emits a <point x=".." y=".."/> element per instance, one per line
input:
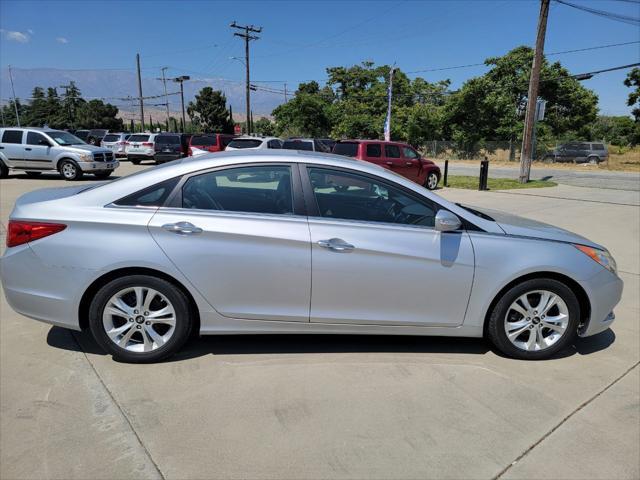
<point x="295" y="242"/>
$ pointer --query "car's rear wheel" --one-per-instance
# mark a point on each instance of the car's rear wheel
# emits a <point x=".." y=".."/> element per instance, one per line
<point x="135" y="161"/>
<point x="69" y="170"/>
<point x="432" y="181"/>
<point x="140" y="319"/>
<point x="535" y="319"/>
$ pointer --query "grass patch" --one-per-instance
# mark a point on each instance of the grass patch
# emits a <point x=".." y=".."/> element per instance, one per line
<point x="471" y="183"/>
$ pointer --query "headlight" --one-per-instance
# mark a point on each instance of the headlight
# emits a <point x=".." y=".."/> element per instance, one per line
<point x="85" y="157"/>
<point x="603" y="257"/>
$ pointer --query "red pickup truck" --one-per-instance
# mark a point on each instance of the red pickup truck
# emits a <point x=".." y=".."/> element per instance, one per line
<point x="398" y="157"/>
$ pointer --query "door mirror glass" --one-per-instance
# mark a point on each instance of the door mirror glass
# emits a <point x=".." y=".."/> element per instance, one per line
<point x="447" y="221"/>
<point x="44" y="142"/>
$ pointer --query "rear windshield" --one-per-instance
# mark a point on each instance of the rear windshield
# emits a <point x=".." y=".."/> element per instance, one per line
<point x="139" y="138"/>
<point x="297" y="145"/>
<point x="348" y="149"/>
<point x="245" y="143"/>
<point x="204" y="140"/>
<point x="98" y="131"/>
<point x="167" y="140"/>
<point x="111" y="138"/>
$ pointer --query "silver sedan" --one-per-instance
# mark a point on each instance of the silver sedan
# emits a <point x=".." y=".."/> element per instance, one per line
<point x="295" y="242"/>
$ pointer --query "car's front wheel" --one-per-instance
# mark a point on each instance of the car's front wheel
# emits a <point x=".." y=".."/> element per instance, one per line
<point x="69" y="170"/>
<point x="535" y="319"/>
<point x="432" y="181"/>
<point x="140" y="318"/>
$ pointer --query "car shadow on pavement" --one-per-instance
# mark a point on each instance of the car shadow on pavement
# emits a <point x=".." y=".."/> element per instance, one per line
<point x="299" y="344"/>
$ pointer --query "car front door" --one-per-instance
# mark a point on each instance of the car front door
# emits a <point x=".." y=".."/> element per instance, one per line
<point x="377" y="258"/>
<point x="235" y="234"/>
<point x="38" y="151"/>
<point x="412" y="164"/>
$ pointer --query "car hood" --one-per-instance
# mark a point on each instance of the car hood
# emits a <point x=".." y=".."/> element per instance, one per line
<point x="87" y="148"/>
<point x="524" y="227"/>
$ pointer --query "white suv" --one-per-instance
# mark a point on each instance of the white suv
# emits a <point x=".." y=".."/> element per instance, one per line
<point x="140" y="146"/>
<point x="37" y="150"/>
<point x="254" y="143"/>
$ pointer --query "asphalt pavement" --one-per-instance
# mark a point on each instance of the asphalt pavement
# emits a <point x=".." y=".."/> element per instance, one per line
<point x="339" y="407"/>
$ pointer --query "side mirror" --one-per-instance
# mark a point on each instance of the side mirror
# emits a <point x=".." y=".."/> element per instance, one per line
<point x="447" y="221"/>
<point x="44" y="142"/>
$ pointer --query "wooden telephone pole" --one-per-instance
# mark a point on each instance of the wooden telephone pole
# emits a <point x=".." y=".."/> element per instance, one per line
<point x="526" y="156"/>
<point x="247" y="38"/>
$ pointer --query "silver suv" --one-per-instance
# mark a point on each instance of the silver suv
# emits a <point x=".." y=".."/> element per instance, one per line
<point x="37" y="150"/>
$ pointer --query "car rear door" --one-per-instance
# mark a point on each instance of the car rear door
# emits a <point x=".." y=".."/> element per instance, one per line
<point x="242" y="240"/>
<point x="13" y="148"/>
<point x="377" y="260"/>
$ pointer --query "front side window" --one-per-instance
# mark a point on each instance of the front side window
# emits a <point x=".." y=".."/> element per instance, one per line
<point x="392" y="151"/>
<point x="12" y="136"/>
<point x="351" y="196"/>
<point x="259" y="189"/>
<point x="409" y="153"/>
<point x="35" y="138"/>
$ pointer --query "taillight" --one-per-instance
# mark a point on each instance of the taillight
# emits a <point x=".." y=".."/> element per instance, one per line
<point x="147" y="144"/>
<point x="20" y="232"/>
<point x="127" y="143"/>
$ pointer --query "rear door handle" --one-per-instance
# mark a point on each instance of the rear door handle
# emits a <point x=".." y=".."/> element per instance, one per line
<point x="182" y="228"/>
<point x="336" y="244"/>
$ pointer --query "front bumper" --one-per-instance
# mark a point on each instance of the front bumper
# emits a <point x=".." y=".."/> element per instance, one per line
<point x="98" y="166"/>
<point x="604" y="291"/>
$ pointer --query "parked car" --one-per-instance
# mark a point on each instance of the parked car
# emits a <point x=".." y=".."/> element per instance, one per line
<point x="232" y="253"/>
<point x="96" y="135"/>
<point x="254" y="143"/>
<point x="210" y="142"/>
<point x="116" y="142"/>
<point x="81" y="134"/>
<point x="170" y="146"/>
<point x="141" y="146"/>
<point x="398" y="157"/>
<point x="309" y="144"/>
<point x="329" y="142"/>
<point x="579" y="152"/>
<point x="37" y="150"/>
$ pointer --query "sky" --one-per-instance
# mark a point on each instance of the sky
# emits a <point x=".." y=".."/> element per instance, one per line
<point x="300" y="39"/>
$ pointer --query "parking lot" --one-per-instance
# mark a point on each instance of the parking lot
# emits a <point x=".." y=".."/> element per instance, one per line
<point x="334" y="406"/>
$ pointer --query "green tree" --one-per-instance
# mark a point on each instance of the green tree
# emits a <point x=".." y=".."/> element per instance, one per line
<point x="633" y="81"/>
<point x="37" y="113"/>
<point x="620" y="131"/>
<point x="306" y="114"/>
<point x="264" y="126"/>
<point x="97" y="114"/>
<point x="9" y="113"/>
<point x="71" y="103"/>
<point x="209" y="111"/>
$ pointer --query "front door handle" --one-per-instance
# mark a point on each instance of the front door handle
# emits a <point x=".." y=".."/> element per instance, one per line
<point x="182" y="228"/>
<point x="336" y="244"/>
<point x="28" y="149"/>
<point x="389" y="163"/>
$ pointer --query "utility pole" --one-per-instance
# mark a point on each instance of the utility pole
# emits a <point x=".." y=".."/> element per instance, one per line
<point x="166" y="96"/>
<point x="15" y="104"/>
<point x="140" y="93"/>
<point x="180" y="80"/>
<point x="285" y="92"/>
<point x="247" y="38"/>
<point x="527" y="154"/>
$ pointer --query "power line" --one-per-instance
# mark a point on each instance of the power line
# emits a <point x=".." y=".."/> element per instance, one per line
<point x="602" y="13"/>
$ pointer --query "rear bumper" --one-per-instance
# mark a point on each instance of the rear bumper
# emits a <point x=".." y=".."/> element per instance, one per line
<point x="140" y="156"/>
<point x="42" y="292"/>
<point x="604" y="291"/>
<point x="167" y="157"/>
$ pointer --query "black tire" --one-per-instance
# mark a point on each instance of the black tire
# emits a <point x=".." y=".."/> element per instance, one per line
<point x="70" y="170"/>
<point x="176" y="297"/>
<point x="431" y="181"/>
<point x="135" y="161"/>
<point x="594" y="160"/>
<point x="4" y="170"/>
<point x="103" y="174"/>
<point x="549" y="159"/>
<point x="33" y="174"/>
<point x="496" y="326"/>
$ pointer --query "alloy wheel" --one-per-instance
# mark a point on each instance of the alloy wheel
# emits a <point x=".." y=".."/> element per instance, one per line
<point x="432" y="181"/>
<point x="536" y="320"/>
<point x="139" y="319"/>
<point x="69" y="170"/>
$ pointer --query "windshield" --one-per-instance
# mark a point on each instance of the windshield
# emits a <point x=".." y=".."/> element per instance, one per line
<point x="297" y="145"/>
<point x="64" y="138"/>
<point x="245" y="143"/>
<point x="349" y="149"/>
<point x="167" y="140"/>
<point x="111" y="138"/>
<point x="139" y="138"/>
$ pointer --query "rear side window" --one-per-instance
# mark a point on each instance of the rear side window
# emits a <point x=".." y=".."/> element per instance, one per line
<point x="204" y="140"/>
<point x="153" y="196"/>
<point x="392" y="151"/>
<point x="111" y="138"/>
<point x="297" y="145"/>
<point x="12" y="136"/>
<point x="374" y="150"/>
<point x="168" y="140"/>
<point x="245" y="143"/>
<point x="261" y="189"/>
<point x="349" y="149"/>
<point x="139" y="138"/>
<point x="598" y="146"/>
